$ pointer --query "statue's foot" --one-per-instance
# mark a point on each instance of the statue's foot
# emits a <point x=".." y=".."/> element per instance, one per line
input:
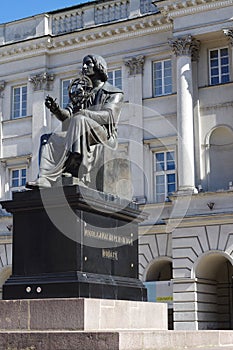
<point x="41" y="182"/>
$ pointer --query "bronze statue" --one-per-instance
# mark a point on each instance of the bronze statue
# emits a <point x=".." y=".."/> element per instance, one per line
<point x="89" y="120"/>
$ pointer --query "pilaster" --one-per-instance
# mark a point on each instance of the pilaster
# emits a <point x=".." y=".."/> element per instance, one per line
<point x="184" y="304"/>
<point x="39" y="87"/>
<point x="135" y="66"/>
<point x="2" y="170"/>
<point x="229" y="35"/>
<point x="186" y="49"/>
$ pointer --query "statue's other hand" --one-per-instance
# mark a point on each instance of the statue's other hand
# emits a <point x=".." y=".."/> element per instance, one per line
<point x="51" y="104"/>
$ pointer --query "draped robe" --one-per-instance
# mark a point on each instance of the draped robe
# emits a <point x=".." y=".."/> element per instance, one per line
<point x="82" y="131"/>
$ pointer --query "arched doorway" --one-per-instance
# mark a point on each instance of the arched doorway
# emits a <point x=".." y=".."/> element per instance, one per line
<point x="159" y="270"/>
<point x="157" y="276"/>
<point x="214" y="273"/>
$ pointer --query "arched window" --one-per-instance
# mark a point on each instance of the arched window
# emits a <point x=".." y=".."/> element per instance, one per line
<point x="220" y="158"/>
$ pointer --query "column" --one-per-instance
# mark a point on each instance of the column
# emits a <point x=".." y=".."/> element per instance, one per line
<point x="41" y="85"/>
<point x="135" y="127"/>
<point x="185" y="48"/>
<point x="2" y="168"/>
<point x="229" y="35"/>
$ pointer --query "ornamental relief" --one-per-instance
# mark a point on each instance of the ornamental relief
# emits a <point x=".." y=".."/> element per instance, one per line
<point x="135" y="65"/>
<point x="42" y="81"/>
<point x="186" y="45"/>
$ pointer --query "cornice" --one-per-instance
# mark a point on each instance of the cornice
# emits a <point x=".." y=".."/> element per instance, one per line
<point x="199" y="220"/>
<point x="173" y="9"/>
<point x="97" y="35"/>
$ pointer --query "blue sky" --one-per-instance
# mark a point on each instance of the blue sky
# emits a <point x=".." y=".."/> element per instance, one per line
<point x="16" y="9"/>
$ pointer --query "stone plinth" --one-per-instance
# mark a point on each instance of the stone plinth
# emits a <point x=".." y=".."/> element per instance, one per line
<point x="81" y="314"/>
<point x="73" y="242"/>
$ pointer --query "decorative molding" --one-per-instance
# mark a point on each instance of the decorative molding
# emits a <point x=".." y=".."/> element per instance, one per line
<point x="217" y="106"/>
<point x="125" y="30"/>
<point x="135" y="65"/>
<point x="173" y="9"/>
<point x="42" y="81"/>
<point x="229" y="34"/>
<point x="186" y="45"/>
<point x="2" y="87"/>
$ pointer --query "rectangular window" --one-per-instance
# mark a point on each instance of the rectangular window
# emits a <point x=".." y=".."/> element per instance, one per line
<point x="65" y="92"/>
<point x="162" y="78"/>
<point x="219" y="66"/>
<point x="19" y="102"/>
<point x="115" y="78"/>
<point x="18" y="177"/>
<point x="164" y="174"/>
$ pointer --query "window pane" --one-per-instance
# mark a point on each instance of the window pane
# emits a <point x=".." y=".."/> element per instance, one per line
<point x="110" y="77"/>
<point x="214" y="71"/>
<point x="15" y="178"/>
<point x="159" y="161"/>
<point x="170" y="161"/>
<point x="214" y="80"/>
<point x="65" y="92"/>
<point x="224" y="52"/>
<point x="23" y="177"/>
<point x="115" y="78"/>
<point x="167" y="64"/>
<point x="171" y="179"/>
<point x="214" y="63"/>
<point x="158" y="66"/>
<point x="225" y="79"/>
<point x="15" y="174"/>
<point x="213" y="53"/>
<point x="15" y="183"/>
<point x="160" y="188"/>
<point x="225" y="61"/>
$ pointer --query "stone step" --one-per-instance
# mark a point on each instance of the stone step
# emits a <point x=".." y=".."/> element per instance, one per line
<point x="123" y="340"/>
<point x="176" y="340"/>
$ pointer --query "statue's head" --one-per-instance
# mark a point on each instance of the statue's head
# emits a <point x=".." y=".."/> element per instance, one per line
<point x="100" y="66"/>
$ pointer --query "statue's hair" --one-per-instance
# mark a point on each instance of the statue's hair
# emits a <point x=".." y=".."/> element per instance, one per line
<point x="100" y="65"/>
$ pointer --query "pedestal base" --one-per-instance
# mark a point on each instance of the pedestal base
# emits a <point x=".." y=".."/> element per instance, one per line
<point x="73" y="242"/>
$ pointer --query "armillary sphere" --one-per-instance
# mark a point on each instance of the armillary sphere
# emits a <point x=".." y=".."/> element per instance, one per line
<point x="80" y="90"/>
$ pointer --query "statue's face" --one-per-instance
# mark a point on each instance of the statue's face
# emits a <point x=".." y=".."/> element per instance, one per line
<point x="88" y="66"/>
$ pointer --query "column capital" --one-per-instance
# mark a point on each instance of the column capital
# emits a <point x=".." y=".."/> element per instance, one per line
<point x="229" y="34"/>
<point x="42" y="81"/>
<point x="186" y="45"/>
<point x="2" y="87"/>
<point x="135" y="64"/>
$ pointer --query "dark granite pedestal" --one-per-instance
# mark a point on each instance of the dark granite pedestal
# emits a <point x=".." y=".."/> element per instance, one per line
<point x="73" y="242"/>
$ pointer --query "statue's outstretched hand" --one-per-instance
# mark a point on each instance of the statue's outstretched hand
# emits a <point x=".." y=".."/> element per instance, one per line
<point x="51" y="104"/>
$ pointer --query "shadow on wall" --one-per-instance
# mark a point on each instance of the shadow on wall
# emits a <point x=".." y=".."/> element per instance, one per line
<point x="219" y="149"/>
<point x="214" y="290"/>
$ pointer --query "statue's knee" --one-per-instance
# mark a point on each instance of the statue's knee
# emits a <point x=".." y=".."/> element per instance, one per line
<point x="78" y="118"/>
<point x="44" y="139"/>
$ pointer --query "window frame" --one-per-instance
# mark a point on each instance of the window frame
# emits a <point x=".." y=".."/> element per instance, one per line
<point x="162" y="61"/>
<point x="63" y="104"/>
<point x="164" y="172"/>
<point x="219" y="66"/>
<point x="22" y="109"/>
<point x="114" y="70"/>
<point x="20" y="178"/>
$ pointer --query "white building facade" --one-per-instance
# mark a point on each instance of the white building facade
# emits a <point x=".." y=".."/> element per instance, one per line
<point x="174" y="62"/>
